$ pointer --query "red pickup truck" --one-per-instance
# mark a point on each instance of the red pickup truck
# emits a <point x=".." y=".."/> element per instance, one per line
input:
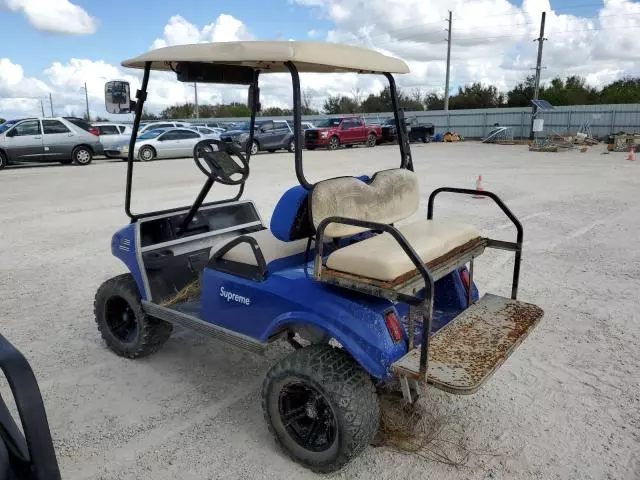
<point x="333" y="132"/>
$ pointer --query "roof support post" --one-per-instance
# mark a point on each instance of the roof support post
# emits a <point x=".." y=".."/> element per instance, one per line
<point x="297" y="124"/>
<point x="403" y="140"/>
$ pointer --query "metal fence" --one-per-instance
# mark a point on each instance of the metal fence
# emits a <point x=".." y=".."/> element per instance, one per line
<point x="601" y="119"/>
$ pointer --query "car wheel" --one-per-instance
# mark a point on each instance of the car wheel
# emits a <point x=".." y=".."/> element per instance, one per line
<point x="426" y="139"/>
<point x="371" y="140"/>
<point x="124" y="326"/>
<point x="321" y="406"/>
<point x="292" y="146"/>
<point x="334" y="143"/>
<point x="3" y="160"/>
<point x="255" y="148"/>
<point x="146" y="154"/>
<point x="82" y="156"/>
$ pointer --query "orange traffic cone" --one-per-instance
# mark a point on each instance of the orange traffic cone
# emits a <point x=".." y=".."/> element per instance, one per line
<point x="632" y="154"/>
<point x="479" y="187"/>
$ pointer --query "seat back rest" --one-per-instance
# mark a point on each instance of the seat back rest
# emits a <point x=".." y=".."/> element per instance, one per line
<point x="290" y="220"/>
<point x="392" y="195"/>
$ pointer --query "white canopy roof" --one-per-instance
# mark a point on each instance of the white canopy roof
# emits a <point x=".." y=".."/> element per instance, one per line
<point x="271" y="56"/>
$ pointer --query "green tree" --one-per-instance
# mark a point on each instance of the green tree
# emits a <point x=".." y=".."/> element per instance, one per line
<point x="276" y="111"/>
<point x="146" y="115"/>
<point x="476" y="95"/>
<point x="433" y="101"/>
<point x="522" y="94"/>
<point x="626" y="90"/>
<point x="340" y="104"/>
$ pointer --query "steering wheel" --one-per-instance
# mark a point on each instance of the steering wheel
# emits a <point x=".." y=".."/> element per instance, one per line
<point x="220" y="166"/>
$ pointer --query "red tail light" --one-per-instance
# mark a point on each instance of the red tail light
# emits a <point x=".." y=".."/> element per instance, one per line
<point x="94" y="131"/>
<point x="393" y="325"/>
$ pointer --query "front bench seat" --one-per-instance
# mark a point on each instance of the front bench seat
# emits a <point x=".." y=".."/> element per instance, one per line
<point x="390" y="196"/>
<point x="271" y="247"/>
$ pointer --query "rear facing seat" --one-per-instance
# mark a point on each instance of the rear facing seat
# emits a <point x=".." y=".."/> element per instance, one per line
<point x="391" y="196"/>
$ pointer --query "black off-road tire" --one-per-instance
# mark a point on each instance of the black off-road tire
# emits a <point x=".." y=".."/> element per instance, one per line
<point x="3" y="160"/>
<point x="148" y="335"/>
<point x="82" y="155"/>
<point x="347" y="388"/>
<point x="334" y="143"/>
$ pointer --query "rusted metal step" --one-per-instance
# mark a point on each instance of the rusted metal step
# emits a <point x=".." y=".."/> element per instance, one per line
<point x="467" y="351"/>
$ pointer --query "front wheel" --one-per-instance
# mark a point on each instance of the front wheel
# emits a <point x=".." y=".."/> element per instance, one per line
<point x="292" y="146"/>
<point x="334" y="143"/>
<point x="321" y="406"/>
<point x="82" y="156"/>
<point x="124" y="326"/>
<point x="371" y="140"/>
<point x="3" y="160"/>
<point x="255" y="148"/>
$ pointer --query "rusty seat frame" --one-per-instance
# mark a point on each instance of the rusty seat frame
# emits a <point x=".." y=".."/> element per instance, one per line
<point x="416" y="288"/>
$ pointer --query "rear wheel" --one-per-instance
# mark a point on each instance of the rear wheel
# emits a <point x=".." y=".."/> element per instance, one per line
<point x="321" y="406"/>
<point x="3" y="160"/>
<point x="82" y="155"/>
<point x="124" y="326"/>
<point x="371" y="140"/>
<point x="334" y="143"/>
<point x="292" y="146"/>
<point x="146" y="154"/>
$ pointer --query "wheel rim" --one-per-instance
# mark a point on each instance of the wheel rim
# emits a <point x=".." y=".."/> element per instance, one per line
<point x="307" y="417"/>
<point x="333" y="143"/>
<point x="292" y="146"/>
<point x="372" y="140"/>
<point x="146" y="154"/>
<point x="120" y="319"/>
<point x="82" y="156"/>
<point x="254" y="148"/>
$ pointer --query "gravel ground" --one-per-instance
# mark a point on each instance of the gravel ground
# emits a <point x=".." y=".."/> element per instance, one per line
<point x="565" y="405"/>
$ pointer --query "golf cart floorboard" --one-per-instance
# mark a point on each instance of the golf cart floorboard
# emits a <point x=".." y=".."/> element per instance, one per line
<point x="468" y="350"/>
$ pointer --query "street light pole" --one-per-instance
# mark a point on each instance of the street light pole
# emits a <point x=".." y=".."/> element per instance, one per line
<point x="195" y="87"/>
<point x="86" y="99"/>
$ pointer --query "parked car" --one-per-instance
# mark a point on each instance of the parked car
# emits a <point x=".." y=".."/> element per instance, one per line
<point x="57" y="139"/>
<point x="269" y="135"/>
<point x="307" y="125"/>
<point x="154" y="125"/>
<point x="333" y="132"/>
<point x="164" y="143"/>
<point x="419" y="130"/>
<point x="111" y="136"/>
<point x="209" y="131"/>
<point x="388" y="130"/>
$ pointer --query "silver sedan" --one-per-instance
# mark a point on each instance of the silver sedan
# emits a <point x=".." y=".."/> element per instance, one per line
<point x="165" y="143"/>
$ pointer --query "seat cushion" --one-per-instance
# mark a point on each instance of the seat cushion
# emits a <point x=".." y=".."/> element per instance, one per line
<point x="271" y="247"/>
<point x="390" y="196"/>
<point x="382" y="258"/>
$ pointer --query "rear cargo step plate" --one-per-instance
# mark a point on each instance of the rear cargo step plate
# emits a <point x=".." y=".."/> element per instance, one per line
<point x="467" y="351"/>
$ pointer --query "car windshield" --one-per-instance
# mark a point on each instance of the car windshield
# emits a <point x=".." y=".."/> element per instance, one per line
<point x="244" y="126"/>
<point x="151" y="134"/>
<point x="7" y="125"/>
<point x="329" y="122"/>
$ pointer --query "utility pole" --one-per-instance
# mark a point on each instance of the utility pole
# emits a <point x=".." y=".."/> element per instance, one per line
<point x="195" y="87"/>
<point x="536" y="88"/>
<point x="86" y="99"/>
<point x="42" y="107"/>
<point x="446" y="82"/>
<point x="51" y="103"/>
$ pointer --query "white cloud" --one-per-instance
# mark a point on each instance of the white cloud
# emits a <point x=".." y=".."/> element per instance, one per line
<point x="180" y="31"/>
<point x="58" y="16"/>
<point x="492" y="43"/>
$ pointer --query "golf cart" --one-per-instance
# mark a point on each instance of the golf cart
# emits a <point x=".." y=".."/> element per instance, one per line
<point x="375" y="303"/>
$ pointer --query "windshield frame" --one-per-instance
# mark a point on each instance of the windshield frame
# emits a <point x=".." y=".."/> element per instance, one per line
<point x="328" y="122"/>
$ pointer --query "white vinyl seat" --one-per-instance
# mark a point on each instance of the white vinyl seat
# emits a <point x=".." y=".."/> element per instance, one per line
<point x="382" y="258"/>
<point x="271" y="247"/>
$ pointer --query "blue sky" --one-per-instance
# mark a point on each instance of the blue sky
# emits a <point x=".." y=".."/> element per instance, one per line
<point x="54" y="46"/>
